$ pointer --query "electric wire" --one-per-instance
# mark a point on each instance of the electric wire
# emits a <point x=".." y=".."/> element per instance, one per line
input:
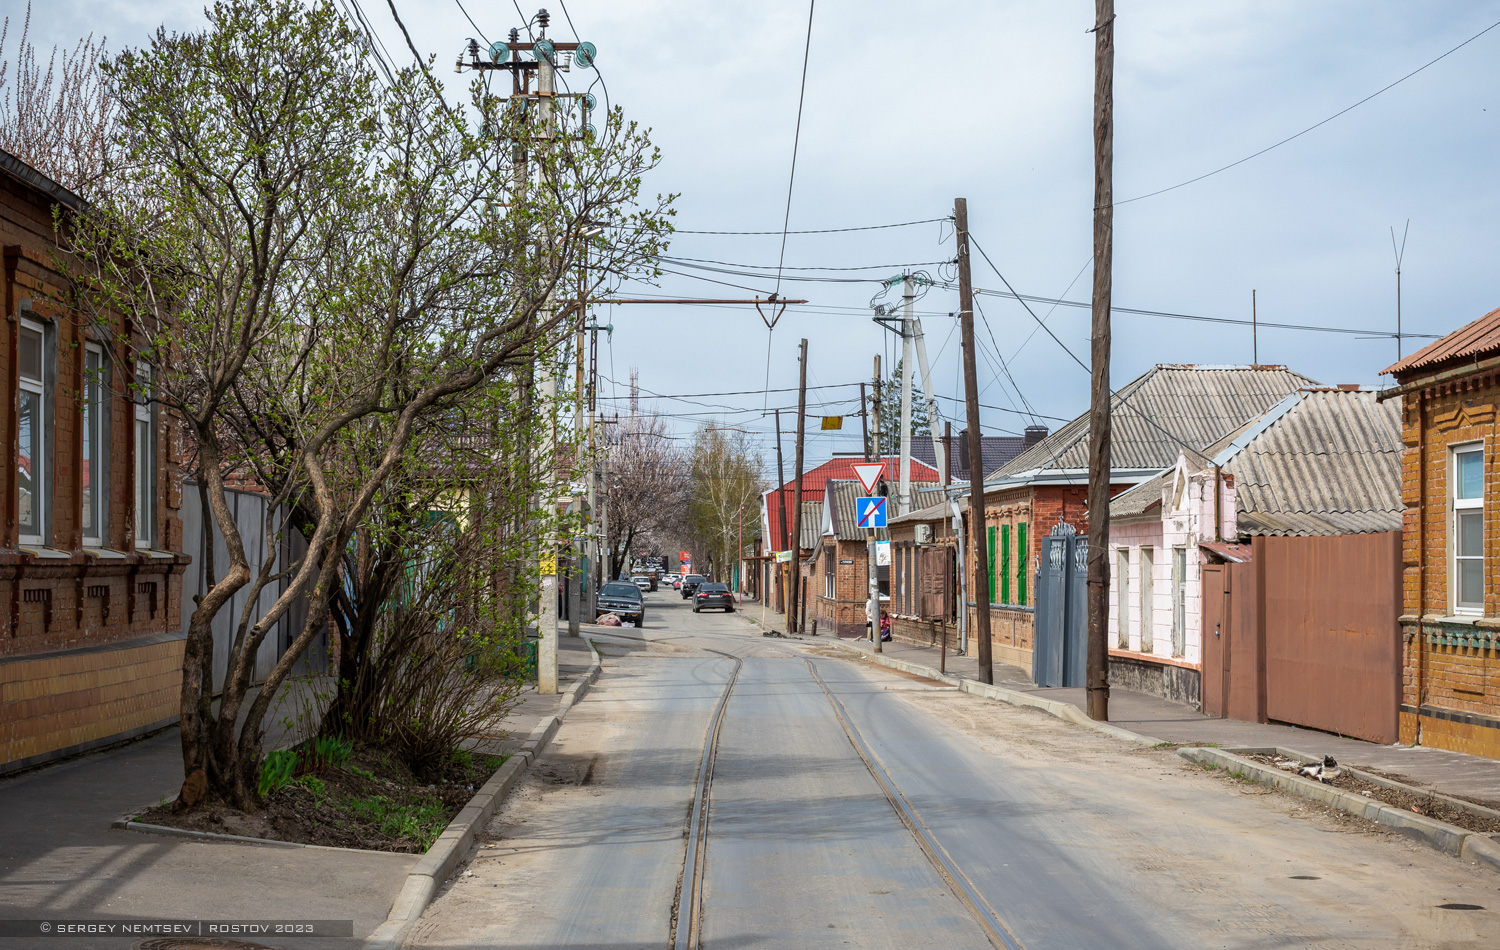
<point x="702" y="260"/>
<point x="868" y="227"/>
<point x="1224" y="168"/>
<point x="471" y="21"/>
<point x="796" y="139"/>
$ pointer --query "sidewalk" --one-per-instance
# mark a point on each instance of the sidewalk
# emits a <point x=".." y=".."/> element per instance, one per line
<point x="1452" y="773"/>
<point x="60" y="858"/>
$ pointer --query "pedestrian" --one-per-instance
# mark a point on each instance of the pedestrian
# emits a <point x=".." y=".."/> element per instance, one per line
<point x="885" y="627"/>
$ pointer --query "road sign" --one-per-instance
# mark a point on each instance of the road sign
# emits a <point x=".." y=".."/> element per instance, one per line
<point x="868" y="474"/>
<point x="870" y="512"/>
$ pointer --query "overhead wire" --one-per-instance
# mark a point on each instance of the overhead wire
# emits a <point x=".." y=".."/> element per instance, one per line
<point x="868" y="227"/>
<point x="796" y="139"/>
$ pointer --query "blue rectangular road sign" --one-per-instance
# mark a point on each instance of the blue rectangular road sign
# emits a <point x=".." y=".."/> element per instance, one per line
<point x="870" y="512"/>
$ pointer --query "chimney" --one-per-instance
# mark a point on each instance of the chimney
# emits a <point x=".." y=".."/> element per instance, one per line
<point x="1035" y="434"/>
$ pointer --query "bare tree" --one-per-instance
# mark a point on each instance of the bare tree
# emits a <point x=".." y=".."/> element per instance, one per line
<point x="59" y="119"/>
<point x="725" y="485"/>
<point x="646" y="484"/>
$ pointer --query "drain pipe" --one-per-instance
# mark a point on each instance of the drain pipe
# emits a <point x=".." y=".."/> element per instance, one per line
<point x="963" y="582"/>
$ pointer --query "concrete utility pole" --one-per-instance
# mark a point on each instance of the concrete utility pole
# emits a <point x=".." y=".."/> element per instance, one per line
<point x="1096" y="679"/>
<point x="864" y="424"/>
<point x="796" y="593"/>
<point x="977" y="524"/>
<point x="872" y="608"/>
<point x="546" y="670"/>
<point x="929" y="394"/>
<point x="908" y="298"/>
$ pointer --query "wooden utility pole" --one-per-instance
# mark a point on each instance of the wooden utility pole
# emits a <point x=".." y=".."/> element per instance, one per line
<point x="976" y="456"/>
<point x="780" y="497"/>
<point x="872" y="605"/>
<point x="1096" y="678"/>
<point x="792" y="620"/>
<point x="864" y="425"/>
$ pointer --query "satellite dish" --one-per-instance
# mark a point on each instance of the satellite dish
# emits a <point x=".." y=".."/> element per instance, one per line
<point x="499" y="53"/>
<point x="584" y="55"/>
<point x="544" y="50"/>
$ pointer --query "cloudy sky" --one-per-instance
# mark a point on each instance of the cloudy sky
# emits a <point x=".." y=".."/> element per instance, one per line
<point x="908" y="106"/>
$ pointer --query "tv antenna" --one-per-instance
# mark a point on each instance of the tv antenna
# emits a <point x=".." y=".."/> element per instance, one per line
<point x="1400" y="253"/>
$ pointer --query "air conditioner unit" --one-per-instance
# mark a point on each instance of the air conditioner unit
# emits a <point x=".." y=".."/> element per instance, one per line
<point x="924" y="533"/>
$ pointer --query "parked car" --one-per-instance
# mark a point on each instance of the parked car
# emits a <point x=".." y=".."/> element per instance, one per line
<point x="643" y="582"/>
<point x="713" y="595"/>
<point x="690" y="584"/>
<point x="623" y="599"/>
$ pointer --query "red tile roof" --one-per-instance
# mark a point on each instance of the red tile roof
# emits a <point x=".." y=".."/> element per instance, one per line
<point x="815" y="481"/>
<point x="1480" y="338"/>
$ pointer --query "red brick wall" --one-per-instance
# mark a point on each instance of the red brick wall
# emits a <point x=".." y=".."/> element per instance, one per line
<point x="1450" y="689"/>
<point x="843" y="614"/>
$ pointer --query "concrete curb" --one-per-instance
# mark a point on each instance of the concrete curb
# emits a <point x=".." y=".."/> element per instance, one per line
<point x="452" y="846"/>
<point x="1447" y="838"/>
<point x="1065" y="711"/>
<point x="126" y="824"/>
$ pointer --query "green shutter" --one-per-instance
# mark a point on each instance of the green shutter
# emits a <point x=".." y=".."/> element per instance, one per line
<point x="1023" y="557"/>
<point x="1005" y="564"/>
<point x="991" y="533"/>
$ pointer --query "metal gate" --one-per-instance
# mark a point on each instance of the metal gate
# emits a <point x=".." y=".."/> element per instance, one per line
<point x="1060" y="636"/>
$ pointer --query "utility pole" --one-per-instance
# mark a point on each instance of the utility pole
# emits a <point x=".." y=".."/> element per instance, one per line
<point x="929" y="393"/>
<point x="781" y="504"/>
<point x="908" y="299"/>
<point x="792" y="625"/>
<point x="1400" y="255"/>
<point x="976" y="466"/>
<point x="1096" y="679"/>
<point x="864" y="426"/>
<point x="1254" y="331"/>
<point x="546" y="673"/>
<point x="872" y="608"/>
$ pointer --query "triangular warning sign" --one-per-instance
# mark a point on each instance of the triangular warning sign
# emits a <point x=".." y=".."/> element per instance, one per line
<point x="868" y="474"/>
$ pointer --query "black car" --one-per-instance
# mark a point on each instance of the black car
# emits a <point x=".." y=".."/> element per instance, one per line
<point x="713" y="595"/>
<point x="690" y="583"/>
<point x="623" y="599"/>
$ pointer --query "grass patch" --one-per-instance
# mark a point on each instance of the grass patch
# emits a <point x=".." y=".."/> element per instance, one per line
<point x="417" y="818"/>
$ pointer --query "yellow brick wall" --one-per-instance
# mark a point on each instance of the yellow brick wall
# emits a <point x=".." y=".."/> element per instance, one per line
<point x="66" y="700"/>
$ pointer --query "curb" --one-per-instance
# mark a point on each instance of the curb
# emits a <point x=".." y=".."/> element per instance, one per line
<point x="1065" y="711"/>
<point x="1440" y="835"/>
<point x="452" y="846"/>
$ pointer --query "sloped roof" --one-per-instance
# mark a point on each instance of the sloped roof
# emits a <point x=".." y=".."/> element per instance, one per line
<point x="925" y="495"/>
<point x="841" y="505"/>
<point x="1139" y="499"/>
<point x="1468" y="342"/>
<point x="1156" y="415"/>
<point x="812" y="524"/>
<point x="1327" y="463"/>
<point x="996" y="449"/>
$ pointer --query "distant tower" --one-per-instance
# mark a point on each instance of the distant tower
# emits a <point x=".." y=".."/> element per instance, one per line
<point x="635" y="390"/>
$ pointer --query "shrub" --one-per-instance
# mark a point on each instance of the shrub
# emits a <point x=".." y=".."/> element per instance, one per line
<point x="276" y="771"/>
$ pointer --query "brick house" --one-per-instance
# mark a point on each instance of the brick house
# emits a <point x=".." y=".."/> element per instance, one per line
<point x="91" y="541"/>
<point x="1155" y="416"/>
<point x="923" y="603"/>
<point x="1450" y="622"/>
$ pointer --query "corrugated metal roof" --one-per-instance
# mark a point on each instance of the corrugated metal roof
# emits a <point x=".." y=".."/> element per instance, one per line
<point x="924" y="495"/>
<point x="1141" y="498"/>
<point x="1331" y="464"/>
<point x="1166" y="409"/>
<point x="815" y="479"/>
<point x="840" y="497"/>
<point x="1480" y="338"/>
<point x="812" y="524"/>
<point x="996" y="449"/>
<point x="938" y="511"/>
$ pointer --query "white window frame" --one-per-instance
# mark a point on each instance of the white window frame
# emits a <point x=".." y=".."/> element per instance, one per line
<point x="1148" y="595"/>
<point x="41" y="501"/>
<point x="93" y="423"/>
<point x="1456" y="507"/>
<point x="1122" y="597"/>
<point x="145" y="458"/>
<point x="1179" y="600"/>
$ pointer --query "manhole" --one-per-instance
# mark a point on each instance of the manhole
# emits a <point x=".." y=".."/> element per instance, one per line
<point x="1460" y="907"/>
<point x="199" y="943"/>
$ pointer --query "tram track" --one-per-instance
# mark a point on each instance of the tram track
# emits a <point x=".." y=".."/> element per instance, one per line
<point x="687" y="907"/>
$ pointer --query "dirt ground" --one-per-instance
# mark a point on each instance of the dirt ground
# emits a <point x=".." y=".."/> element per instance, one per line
<point x="372" y="804"/>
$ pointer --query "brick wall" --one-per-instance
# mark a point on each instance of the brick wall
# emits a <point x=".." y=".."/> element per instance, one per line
<point x="844" y="613"/>
<point x="1450" y="692"/>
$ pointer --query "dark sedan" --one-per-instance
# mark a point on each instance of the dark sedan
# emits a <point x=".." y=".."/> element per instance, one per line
<point x="713" y="595"/>
<point x="690" y="584"/>
<point x="624" y="600"/>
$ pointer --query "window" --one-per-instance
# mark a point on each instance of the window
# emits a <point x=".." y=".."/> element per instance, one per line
<point x="991" y="542"/>
<point x="1179" y="601"/>
<point x="828" y="559"/>
<point x="95" y="468"/>
<point x="1005" y="564"/>
<point x="1148" y="594"/>
<point x="1122" y="595"/>
<point x="145" y="458"/>
<point x="1467" y="542"/>
<point x="31" y="431"/>
<point x="1023" y="557"/>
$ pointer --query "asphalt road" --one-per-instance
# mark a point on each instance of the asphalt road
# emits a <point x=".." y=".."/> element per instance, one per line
<point x="1048" y="835"/>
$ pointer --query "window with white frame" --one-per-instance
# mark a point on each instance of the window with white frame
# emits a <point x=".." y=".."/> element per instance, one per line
<point x="145" y="458"/>
<point x="1122" y="596"/>
<point x="1467" y="544"/>
<point x="31" y="431"/>
<point x="1148" y="596"/>
<point x="1179" y="601"/>
<point x="95" y="468"/>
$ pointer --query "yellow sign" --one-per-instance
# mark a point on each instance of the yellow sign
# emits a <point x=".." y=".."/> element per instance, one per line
<point x="548" y="564"/>
<point x="833" y="422"/>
